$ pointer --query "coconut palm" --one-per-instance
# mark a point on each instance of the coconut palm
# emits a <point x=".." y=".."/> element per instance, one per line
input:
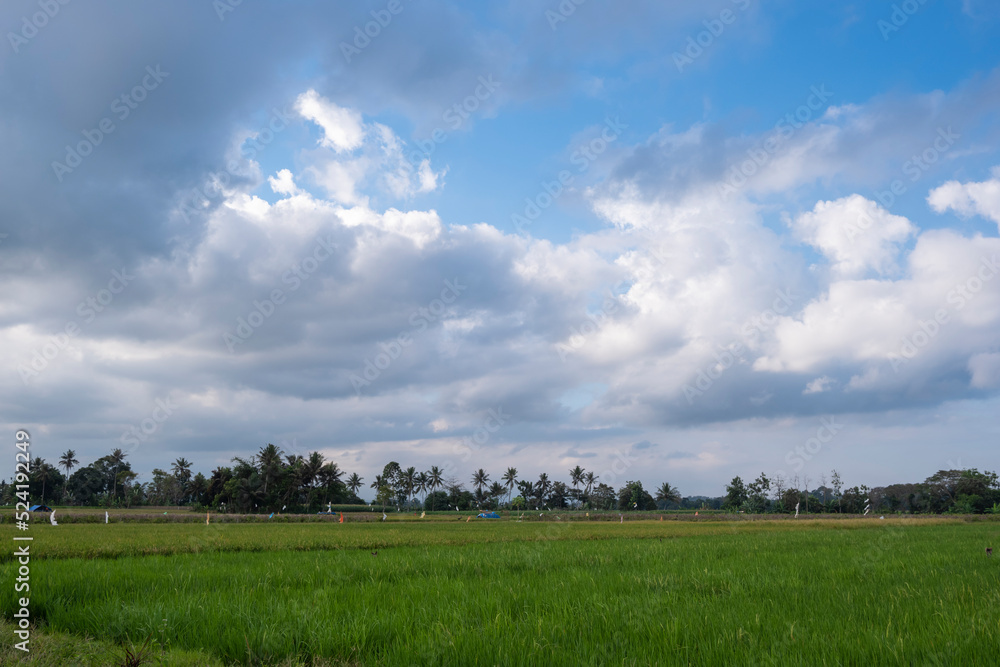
<point x="542" y="487"/>
<point x="510" y="479"/>
<point x="354" y="483"/>
<point x="269" y="460"/>
<point x="480" y="479"/>
<point x="311" y="471"/>
<point x="68" y="461"/>
<point x="496" y="492"/>
<point x="589" y="479"/>
<point x="668" y="494"/>
<point x="118" y="457"/>
<point x="576" y="476"/>
<point x="435" y="478"/>
<point x="421" y="482"/>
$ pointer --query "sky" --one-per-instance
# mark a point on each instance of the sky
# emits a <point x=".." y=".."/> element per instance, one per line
<point x="663" y="241"/>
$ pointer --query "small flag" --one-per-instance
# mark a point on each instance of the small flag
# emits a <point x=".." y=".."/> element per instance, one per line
<point x="272" y="516"/>
<point x="468" y="519"/>
<point x="423" y="514"/>
<point x="52" y="518"/>
<point x="341" y="517"/>
<point x="206" y="518"/>
<point x="661" y="518"/>
<point x="105" y="517"/>
<point x="696" y="512"/>
<point x="384" y="517"/>
<point x="621" y="518"/>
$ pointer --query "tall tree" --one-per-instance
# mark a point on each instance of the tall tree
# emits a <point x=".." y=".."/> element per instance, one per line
<point x="269" y="461"/>
<point x="117" y="458"/>
<point x="576" y="476"/>
<point x="509" y="479"/>
<point x="480" y="479"/>
<point x="668" y="494"/>
<point x="590" y="478"/>
<point x="68" y="461"/>
<point x="435" y="478"/>
<point x="354" y="482"/>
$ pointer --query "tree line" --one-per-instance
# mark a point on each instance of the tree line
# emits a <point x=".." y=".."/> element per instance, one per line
<point x="272" y="480"/>
<point x="946" y="491"/>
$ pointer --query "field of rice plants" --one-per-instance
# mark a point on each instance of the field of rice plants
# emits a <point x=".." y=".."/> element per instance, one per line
<point x="813" y="593"/>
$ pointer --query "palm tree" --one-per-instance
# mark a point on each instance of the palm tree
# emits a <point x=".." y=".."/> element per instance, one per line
<point x="526" y="488"/>
<point x="68" y="461"/>
<point x="510" y="479"/>
<point x="435" y="478"/>
<point x="269" y="460"/>
<point x="421" y="481"/>
<point x="409" y="479"/>
<point x="43" y="473"/>
<point x="182" y="473"/>
<point x="118" y="456"/>
<point x="313" y="465"/>
<point x="576" y="476"/>
<point x="496" y="491"/>
<point x="480" y="479"/>
<point x="668" y="494"/>
<point x="354" y="483"/>
<point x="590" y="478"/>
<point x="542" y="486"/>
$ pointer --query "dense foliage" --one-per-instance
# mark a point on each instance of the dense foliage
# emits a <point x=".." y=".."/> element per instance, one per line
<point x="272" y="481"/>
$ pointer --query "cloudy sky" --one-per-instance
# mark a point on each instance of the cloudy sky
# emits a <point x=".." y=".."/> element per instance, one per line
<point x="663" y="241"/>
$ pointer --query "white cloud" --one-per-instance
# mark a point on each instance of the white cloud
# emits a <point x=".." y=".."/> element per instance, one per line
<point x="855" y="234"/>
<point x="342" y="128"/>
<point x="282" y="183"/>
<point x="968" y="199"/>
<point x="819" y="385"/>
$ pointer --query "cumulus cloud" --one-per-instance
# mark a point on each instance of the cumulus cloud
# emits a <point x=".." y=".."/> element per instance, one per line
<point x="856" y="234"/>
<point x="342" y="128"/>
<point x="968" y="199"/>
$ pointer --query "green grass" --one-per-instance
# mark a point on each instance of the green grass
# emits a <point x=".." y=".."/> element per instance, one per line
<point x="816" y="593"/>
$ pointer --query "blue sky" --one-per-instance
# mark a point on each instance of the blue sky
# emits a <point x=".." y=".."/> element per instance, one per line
<point x="327" y="291"/>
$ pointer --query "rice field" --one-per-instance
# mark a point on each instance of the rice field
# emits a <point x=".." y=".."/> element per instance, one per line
<point x="914" y="591"/>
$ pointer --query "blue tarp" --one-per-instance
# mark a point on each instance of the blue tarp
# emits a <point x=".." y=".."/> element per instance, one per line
<point x="40" y="508"/>
<point x="488" y="515"/>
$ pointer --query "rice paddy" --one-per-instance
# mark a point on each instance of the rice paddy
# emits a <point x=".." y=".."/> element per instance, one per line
<point x="647" y="592"/>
